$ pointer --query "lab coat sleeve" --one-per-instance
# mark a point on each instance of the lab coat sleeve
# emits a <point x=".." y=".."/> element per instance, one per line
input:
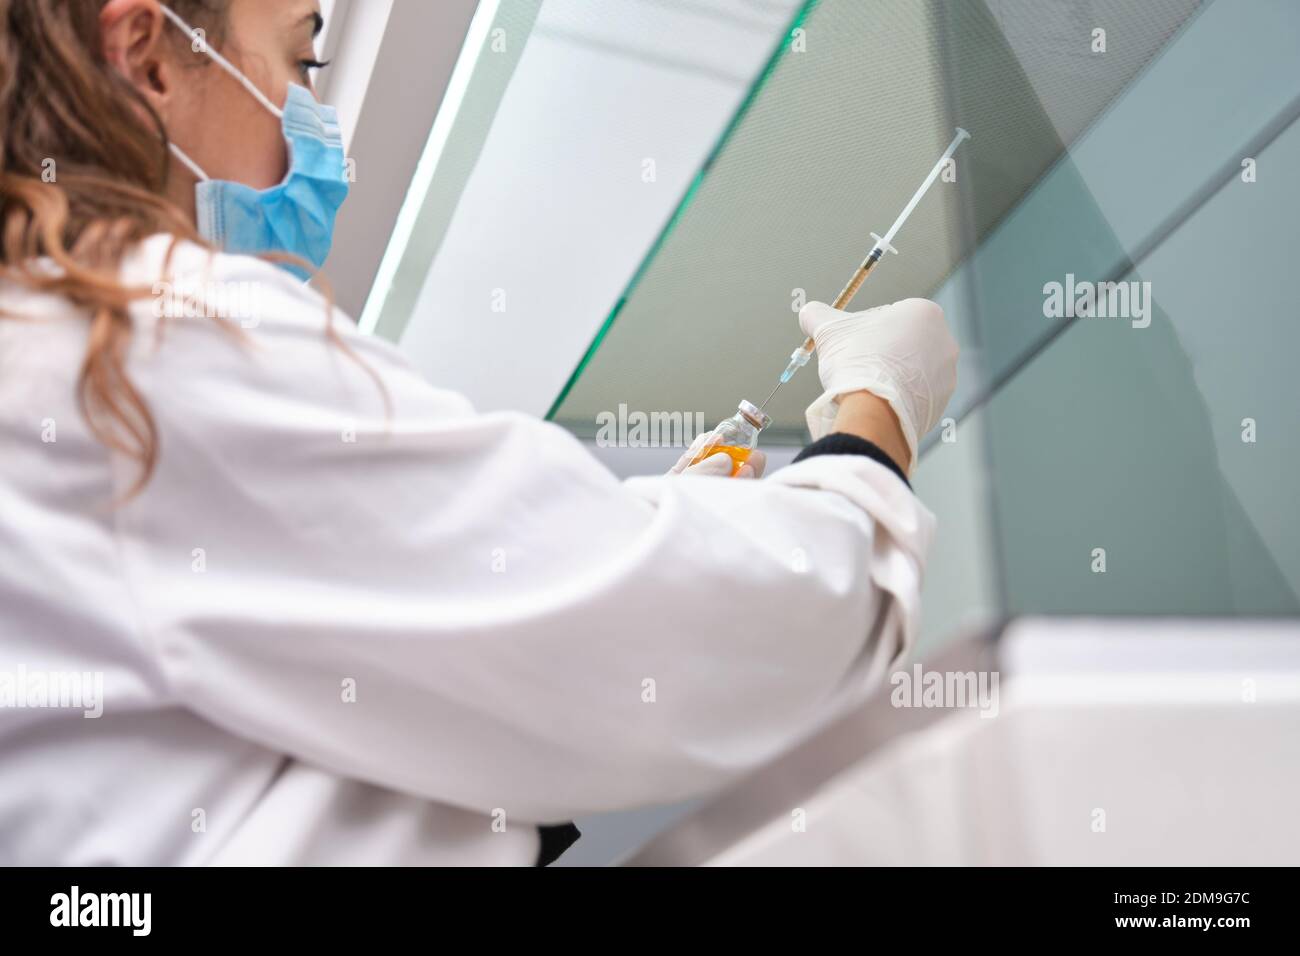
<point x="470" y="607"/>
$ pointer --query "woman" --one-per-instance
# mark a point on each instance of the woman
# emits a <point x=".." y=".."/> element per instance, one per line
<point x="337" y="615"/>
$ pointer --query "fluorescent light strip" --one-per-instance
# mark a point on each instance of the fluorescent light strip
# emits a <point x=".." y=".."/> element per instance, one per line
<point x="427" y="167"/>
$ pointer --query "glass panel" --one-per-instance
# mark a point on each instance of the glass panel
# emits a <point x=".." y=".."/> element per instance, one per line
<point x="1133" y="459"/>
<point x="962" y="592"/>
<point x="1132" y="472"/>
<point x="860" y="103"/>
<point x="1166" y="451"/>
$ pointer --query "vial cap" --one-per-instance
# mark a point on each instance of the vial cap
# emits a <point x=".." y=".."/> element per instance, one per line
<point x="755" y="415"/>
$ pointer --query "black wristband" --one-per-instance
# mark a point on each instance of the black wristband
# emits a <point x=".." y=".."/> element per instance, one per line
<point x="842" y="443"/>
<point x="556" y="838"/>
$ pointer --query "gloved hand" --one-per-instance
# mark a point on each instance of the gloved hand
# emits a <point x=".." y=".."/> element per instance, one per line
<point x="718" y="465"/>
<point x="902" y="353"/>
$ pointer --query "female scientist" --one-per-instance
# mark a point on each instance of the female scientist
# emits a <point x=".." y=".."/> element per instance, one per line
<point x="326" y="611"/>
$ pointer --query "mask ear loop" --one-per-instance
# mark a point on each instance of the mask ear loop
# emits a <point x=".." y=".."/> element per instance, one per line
<point x="188" y="163"/>
<point x="200" y="45"/>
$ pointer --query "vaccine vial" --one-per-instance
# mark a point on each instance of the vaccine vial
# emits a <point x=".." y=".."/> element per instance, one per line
<point x="737" y="437"/>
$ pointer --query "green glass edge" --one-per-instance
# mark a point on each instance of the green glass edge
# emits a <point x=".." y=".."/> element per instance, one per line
<point x="684" y="203"/>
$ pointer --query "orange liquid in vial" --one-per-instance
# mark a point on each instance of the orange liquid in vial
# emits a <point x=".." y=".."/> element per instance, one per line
<point x="737" y="455"/>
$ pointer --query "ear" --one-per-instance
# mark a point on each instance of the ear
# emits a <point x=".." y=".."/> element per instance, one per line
<point x="132" y="34"/>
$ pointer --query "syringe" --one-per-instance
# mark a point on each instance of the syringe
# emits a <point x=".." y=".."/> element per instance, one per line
<point x="883" y="244"/>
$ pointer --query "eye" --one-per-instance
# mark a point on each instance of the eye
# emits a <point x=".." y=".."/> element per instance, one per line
<point x="306" y="66"/>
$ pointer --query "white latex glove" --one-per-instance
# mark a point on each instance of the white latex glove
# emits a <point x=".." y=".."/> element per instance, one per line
<point x="718" y="465"/>
<point x="902" y="353"/>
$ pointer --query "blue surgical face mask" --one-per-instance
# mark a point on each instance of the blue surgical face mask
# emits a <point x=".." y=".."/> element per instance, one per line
<point x="297" y="216"/>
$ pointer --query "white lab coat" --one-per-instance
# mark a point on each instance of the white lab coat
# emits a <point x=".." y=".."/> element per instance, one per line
<point x="526" y="638"/>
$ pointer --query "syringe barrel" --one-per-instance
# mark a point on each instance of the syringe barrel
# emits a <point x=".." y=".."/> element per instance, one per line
<point x="883" y="244"/>
<point x="846" y="296"/>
